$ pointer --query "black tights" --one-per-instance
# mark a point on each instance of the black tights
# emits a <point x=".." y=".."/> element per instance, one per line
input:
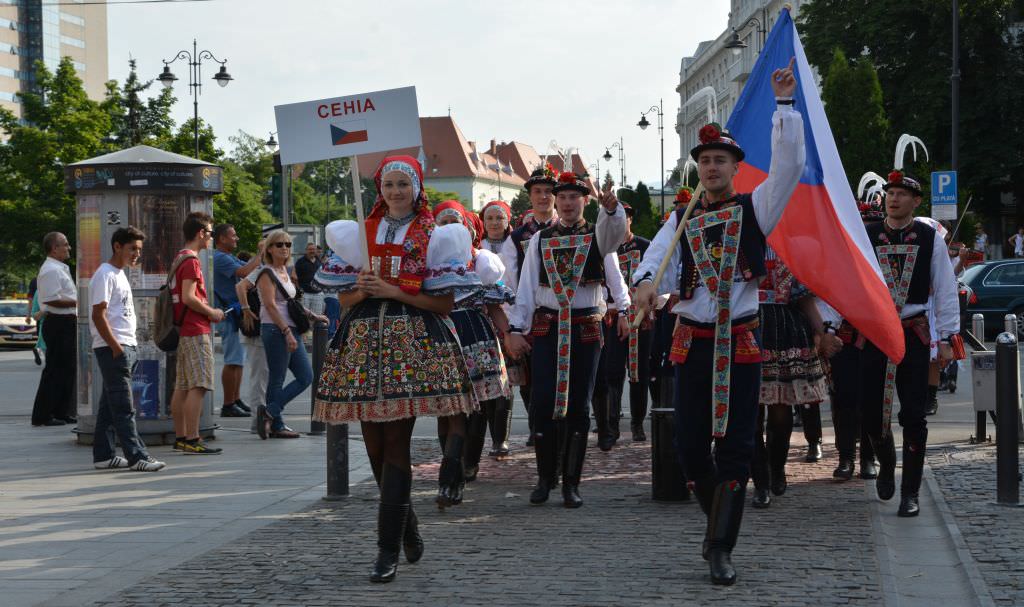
<point x="454" y="425"/>
<point x="771" y="444"/>
<point x="388" y="443"/>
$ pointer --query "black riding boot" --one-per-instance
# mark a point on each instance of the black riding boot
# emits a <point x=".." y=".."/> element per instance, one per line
<point x="392" y="514"/>
<point x="524" y="393"/>
<point x="885" y="450"/>
<point x="572" y="470"/>
<point x="476" y="431"/>
<point x="724" y="526"/>
<point x="910" y="485"/>
<point x="759" y="466"/>
<point x="846" y="442"/>
<point x="605" y="440"/>
<point x="546" y="450"/>
<point x="501" y="427"/>
<point x="778" y="431"/>
<point x="614" y="411"/>
<point x="811" y="415"/>
<point x="412" y="542"/>
<point x="704" y="489"/>
<point x="933" y="400"/>
<point x="868" y="466"/>
<point x="451" y="479"/>
<point x="637" y="411"/>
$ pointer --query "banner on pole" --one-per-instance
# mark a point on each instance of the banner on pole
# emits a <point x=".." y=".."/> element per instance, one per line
<point x="365" y="123"/>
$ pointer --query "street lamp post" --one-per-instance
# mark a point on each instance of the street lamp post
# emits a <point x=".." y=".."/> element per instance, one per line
<point x="738" y="45"/>
<point x="643" y="124"/>
<point x="622" y="160"/>
<point x="195" y="63"/>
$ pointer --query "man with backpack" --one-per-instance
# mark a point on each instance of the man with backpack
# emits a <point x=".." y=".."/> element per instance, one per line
<point x="227" y="270"/>
<point x="192" y="316"/>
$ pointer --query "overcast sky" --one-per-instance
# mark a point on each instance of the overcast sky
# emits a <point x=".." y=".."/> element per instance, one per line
<point x="579" y="72"/>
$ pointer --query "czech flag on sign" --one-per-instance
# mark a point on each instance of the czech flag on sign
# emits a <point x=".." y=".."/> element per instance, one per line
<point x="821" y="236"/>
<point x="352" y="131"/>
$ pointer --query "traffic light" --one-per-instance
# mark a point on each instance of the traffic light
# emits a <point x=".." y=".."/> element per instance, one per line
<point x="275" y="195"/>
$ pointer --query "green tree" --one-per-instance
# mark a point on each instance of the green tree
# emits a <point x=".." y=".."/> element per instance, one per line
<point x="251" y="153"/>
<point x="134" y="120"/>
<point x="520" y="204"/>
<point x="242" y="203"/>
<point x="183" y="142"/>
<point x="59" y="125"/>
<point x="853" y="102"/>
<point x="435" y="197"/>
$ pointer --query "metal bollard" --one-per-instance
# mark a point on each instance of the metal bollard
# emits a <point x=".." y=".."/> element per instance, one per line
<point x="337" y="462"/>
<point x="667" y="483"/>
<point x="978" y="332"/>
<point x="1007" y="416"/>
<point x="319" y="354"/>
<point x="978" y="327"/>
<point x="1010" y="324"/>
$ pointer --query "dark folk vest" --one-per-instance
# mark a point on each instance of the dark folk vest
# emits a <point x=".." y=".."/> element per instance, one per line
<point x="750" y="260"/>
<point x="521" y="238"/>
<point x="916" y="234"/>
<point x="593" y="266"/>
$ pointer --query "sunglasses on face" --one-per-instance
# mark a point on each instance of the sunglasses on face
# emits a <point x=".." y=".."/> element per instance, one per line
<point x="283" y="244"/>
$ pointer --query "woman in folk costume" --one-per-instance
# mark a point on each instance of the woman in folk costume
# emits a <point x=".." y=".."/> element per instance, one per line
<point x="477" y="312"/>
<point x="791" y="372"/>
<point x="395" y="356"/>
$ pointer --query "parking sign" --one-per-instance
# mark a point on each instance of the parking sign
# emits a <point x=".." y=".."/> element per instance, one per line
<point x="944" y="195"/>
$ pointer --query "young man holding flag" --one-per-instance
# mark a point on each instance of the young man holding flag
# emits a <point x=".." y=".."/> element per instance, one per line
<point x="715" y="343"/>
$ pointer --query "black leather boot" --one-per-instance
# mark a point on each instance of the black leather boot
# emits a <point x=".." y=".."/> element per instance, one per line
<point x="844" y="471"/>
<point x="910" y="485"/>
<point x="759" y="473"/>
<point x="575" y="452"/>
<point x="501" y="427"/>
<point x="412" y="542"/>
<point x="637" y="411"/>
<point x="451" y="479"/>
<point x="704" y="490"/>
<point x="933" y="400"/>
<point x="885" y="450"/>
<point x="546" y="450"/>
<point x="392" y="514"/>
<point x="724" y="527"/>
<point x="476" y="432"/>
<point x="614" y="411"/>
<point x="868" y="469"/>
<point x="605" y="441"/>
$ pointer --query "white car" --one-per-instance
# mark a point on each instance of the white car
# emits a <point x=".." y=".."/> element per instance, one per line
<point x="14" y="331"/>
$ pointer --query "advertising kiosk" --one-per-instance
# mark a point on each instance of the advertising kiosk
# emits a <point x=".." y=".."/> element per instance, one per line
<point x="152" y="190"/>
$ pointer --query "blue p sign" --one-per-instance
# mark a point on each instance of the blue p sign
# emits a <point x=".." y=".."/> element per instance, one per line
<point x="944" y="195"/>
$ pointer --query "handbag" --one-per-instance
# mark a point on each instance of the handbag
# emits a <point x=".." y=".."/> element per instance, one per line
<point x="296" y="311"/>
<point x="252" y="299"/>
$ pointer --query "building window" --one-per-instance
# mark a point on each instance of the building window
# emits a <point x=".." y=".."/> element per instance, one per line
<point x="6" y="71"/>
<point x="79" y="66"/>
<point x="5" y="96"/>
<point x="72" y="19"/>
<point x="8" y="48"/>
<point x="7" y="23"/>
<point x="68" y="40"/>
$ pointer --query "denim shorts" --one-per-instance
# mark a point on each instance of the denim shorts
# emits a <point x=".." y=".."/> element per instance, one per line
<point x="230" y="341"/>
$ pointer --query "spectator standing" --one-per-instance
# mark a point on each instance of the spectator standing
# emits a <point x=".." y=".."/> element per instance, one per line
<point x="112" y="327"/>
<point x="33" y="309"/>
<point x="58" y="297"/>
<point x="194" y="376"/>
<point x="981" y="240"/>
<point x="1017" y="242"/>
<point x="227" y="270"/>
<point x="255" y="354"/>
<point x="305" y="270"/>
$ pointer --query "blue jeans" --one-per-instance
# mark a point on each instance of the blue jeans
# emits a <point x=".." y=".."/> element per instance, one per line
<point x="332" y="310"/>
<point x="279" y="361"/>
<point x="116" y="413"/>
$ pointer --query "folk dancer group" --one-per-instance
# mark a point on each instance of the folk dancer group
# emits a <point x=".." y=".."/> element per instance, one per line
<point x="452" y="309"/>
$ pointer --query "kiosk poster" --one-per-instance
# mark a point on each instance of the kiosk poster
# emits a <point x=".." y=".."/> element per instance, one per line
<point x="160" y="217"/>
<point x="146" y="389"/>
<point x="89" y="236"/>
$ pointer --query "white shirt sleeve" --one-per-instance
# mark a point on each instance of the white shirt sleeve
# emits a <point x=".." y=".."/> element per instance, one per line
<point x="489" y="267"/>
<point x="944" y="291"/>
<point x="655" y="253"/>
<point x="101" y="288"/>
<point x="511" y="260"/>
<point x="788" y="158"/>
<point x="616" y="283"/>
<point x="610" y="230"/>
<point x="520" y="316"/>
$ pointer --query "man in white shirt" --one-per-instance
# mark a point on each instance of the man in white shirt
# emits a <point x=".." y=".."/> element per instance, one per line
<point x="112" y="327"/>
<point x="715" y="344"/>
<point x="58" y="300"/>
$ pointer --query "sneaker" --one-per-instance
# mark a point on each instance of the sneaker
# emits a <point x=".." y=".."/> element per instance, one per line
<point x="179" y="444"/>
<point x="233" y="410"/>
<point x="148" y="464"/>
<point x="115" y="462"/>
<point x="39" y="359"/>
<point x="244" y="407"/>
<point x="198" y="447"/>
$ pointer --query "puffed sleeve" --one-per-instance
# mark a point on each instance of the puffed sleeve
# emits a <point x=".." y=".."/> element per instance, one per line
<point x="491" y="269"/>
<point x="448" y="261"/>
<point x="339" y="272"/>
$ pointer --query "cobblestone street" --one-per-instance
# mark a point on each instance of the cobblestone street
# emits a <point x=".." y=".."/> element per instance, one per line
<point x="812" y="547"/>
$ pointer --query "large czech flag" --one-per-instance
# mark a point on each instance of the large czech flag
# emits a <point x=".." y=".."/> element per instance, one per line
<point x="820" y="236"/>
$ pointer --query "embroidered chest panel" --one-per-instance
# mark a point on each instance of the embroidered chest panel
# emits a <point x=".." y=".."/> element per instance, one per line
<point x="564" y="258"/>
<point x="897" y="262"/>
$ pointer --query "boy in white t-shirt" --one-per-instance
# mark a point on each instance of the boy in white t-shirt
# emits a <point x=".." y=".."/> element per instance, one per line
<point x="112" y="326"/>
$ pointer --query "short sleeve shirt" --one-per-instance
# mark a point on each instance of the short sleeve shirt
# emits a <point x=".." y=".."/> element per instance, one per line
<point x="110" y="285"/>
<point x="193" y="322"/>
<point x="225" y="266"/>
<point x="54" y="282"/>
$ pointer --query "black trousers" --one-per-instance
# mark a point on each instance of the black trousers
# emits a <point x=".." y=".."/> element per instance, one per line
<point x="846" y="400"/>
<point x="55" y="396"/>
<point x="730" y="459"/>
<point x="911" y="387"/>
<point x="585" y="352"/>
<point x="661" y="371"/>
<point x="616" y="354"/>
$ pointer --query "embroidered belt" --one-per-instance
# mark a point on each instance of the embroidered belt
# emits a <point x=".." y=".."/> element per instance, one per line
<point x="747" y="351"/>
<point x="849" y="334"/>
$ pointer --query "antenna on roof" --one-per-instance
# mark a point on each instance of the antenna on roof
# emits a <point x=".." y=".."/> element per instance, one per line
<point x="449" y="110"/>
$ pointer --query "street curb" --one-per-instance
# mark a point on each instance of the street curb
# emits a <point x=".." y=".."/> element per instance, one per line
<point x="888" y="578"/>
<point x="963" y="552"/>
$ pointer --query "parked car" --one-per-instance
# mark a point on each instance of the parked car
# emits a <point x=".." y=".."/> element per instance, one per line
<point x="995" y="289"/>
<point x="14" y="331"/>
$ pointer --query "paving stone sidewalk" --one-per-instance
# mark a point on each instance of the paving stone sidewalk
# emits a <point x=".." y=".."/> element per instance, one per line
<point x="994" y="534"/>
<point x="812" y="547"/>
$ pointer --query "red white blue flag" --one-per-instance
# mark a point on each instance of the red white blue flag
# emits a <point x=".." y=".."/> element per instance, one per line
<point x="821" y="236"/>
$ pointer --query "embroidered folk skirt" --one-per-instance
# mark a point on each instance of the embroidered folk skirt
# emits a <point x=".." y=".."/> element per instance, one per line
<point x="390" y="361"/>
<point x="484" y="359"/>
<point x="791" y="371"/>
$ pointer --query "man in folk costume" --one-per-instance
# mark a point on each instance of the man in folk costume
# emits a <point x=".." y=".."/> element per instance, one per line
<point x="540" y="188"/>
<point x="915" y="263"/>
<point x="715" y="343"/>
<point x="560" y="303"/>
<point x="627" y="350"/>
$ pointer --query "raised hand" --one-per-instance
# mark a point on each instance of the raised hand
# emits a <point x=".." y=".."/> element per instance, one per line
<point x="608" y="199"/>
<point x="784" y="80"/>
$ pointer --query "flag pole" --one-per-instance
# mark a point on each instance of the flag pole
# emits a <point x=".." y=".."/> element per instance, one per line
<point x="663" y="266"/>
<point x="360" y="213"/>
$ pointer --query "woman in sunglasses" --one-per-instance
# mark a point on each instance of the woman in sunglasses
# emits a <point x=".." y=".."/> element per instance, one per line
<point x="395" y="356"/>
<point x="283" y="346"/>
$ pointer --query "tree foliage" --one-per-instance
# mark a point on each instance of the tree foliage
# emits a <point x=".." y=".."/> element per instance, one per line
<point x="133" y="119"/>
